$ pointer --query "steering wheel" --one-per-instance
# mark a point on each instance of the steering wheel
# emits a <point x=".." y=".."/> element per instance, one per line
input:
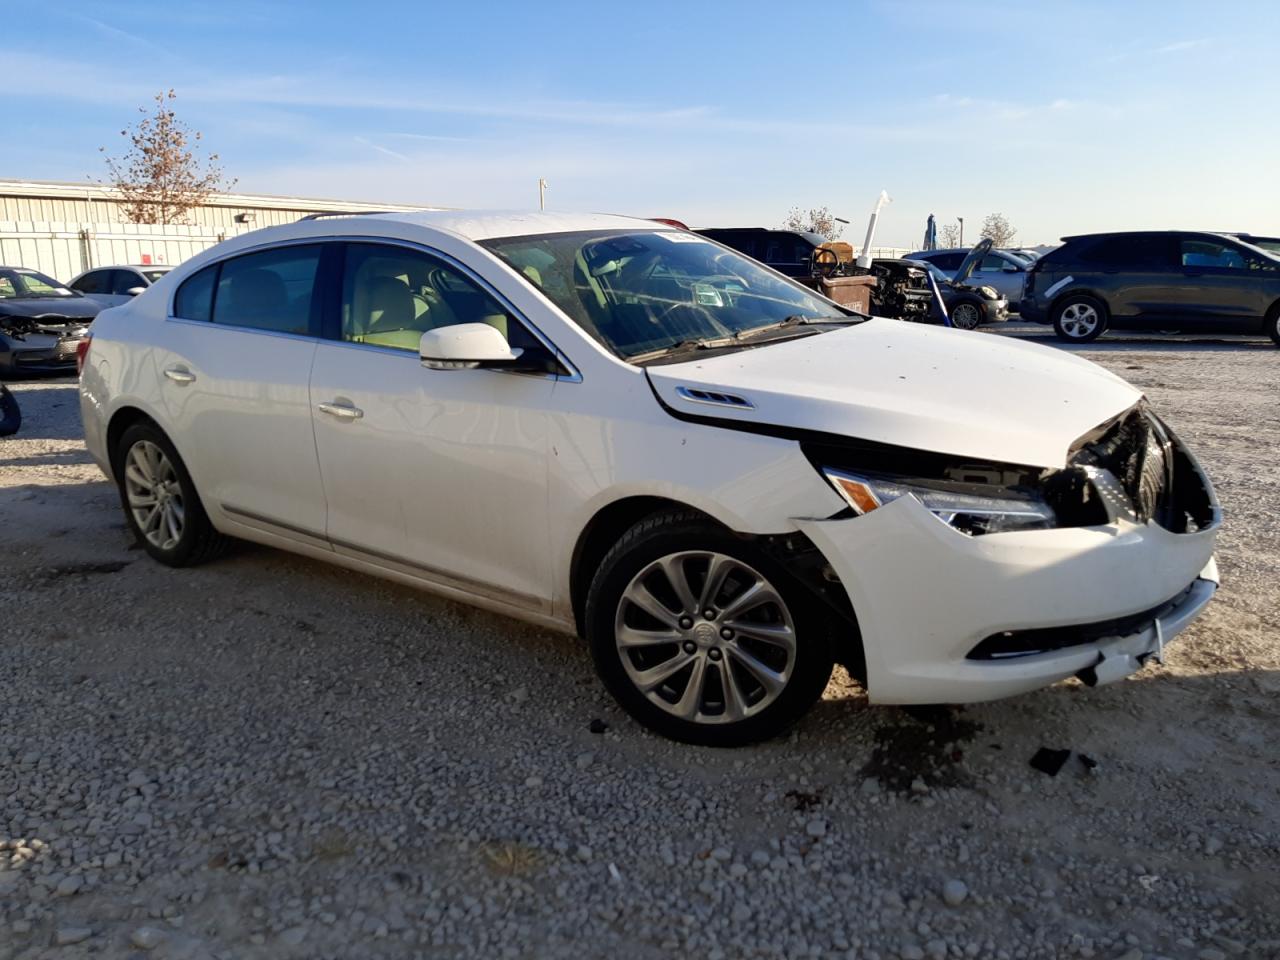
<point x="825" y="262"/>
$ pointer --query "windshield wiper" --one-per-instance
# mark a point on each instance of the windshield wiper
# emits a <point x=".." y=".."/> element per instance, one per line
<point x="742" y="336"/>
<point x="682" y="346"/>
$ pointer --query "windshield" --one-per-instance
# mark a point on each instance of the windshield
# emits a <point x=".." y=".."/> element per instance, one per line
<point x="29" y="285"/>
<point x="643" y="293"/>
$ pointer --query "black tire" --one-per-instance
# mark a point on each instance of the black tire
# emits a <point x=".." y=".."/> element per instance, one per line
<point x="811" y="657"/>
<point x="10" y="413"/>
<point x="1071" y="331"/>
<point x="966" y="314"/>
<point x="1273" y="323"/>
<point x="198" y="541"/>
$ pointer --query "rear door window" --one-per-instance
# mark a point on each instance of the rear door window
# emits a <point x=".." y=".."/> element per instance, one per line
<point x="947" y="261"/>
<point x="95" y="281"/>
<point x="273" y="290"/>
<point x="1129" y="252"/>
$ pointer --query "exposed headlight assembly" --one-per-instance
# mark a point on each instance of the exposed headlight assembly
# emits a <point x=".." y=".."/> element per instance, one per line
<point x="991" y="293"/>
<point x="969" y="513"/>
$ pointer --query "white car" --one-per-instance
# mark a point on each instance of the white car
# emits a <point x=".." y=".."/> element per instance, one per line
<point x="724" y="482"/>
<point x="112" y="286"/>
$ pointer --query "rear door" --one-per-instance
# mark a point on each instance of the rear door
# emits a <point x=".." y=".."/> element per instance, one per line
<point x="236" y="369"/>
<point x="1135" y="273"/>
<point x="1223" y="285"/>
<point x="439" y="473"/>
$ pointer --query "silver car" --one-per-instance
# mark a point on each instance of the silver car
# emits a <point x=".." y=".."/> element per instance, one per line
<point x="112" y="286"/>
<point x="1004" y="270"/>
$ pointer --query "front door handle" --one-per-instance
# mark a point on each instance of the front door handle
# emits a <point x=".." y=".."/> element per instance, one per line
<point x="180" y="375"/>
<point x="343" y="411"/>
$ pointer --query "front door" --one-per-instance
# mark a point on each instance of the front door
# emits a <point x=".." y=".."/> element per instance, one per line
<point x="1222" y="284"/>
<point x="440" y="473"/>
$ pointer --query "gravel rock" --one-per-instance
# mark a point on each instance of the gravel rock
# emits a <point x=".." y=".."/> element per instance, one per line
<point x="65" y="936"/>
<point x="147" y="938"/>
<point x="954" y="892"/>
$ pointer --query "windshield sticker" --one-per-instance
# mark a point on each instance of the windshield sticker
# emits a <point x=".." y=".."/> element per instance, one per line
<point x="683" y="237"/>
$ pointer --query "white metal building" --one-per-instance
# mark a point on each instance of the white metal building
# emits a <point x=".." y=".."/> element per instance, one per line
<point x="63" y="229"/>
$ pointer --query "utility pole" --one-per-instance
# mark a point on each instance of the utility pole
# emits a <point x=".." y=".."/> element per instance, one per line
<point x="961" y="219"/>
<point x="542" y="194"/>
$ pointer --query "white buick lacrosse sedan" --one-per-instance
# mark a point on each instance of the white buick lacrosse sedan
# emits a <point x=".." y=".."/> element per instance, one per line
<point x="724" y="482"/>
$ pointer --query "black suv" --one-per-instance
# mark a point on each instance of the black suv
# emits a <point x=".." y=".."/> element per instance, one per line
<point x="1171" y="280"/>
<point x="788" y="251"/>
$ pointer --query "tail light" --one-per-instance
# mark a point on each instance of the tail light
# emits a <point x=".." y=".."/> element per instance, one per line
<point x="82" y="353"/>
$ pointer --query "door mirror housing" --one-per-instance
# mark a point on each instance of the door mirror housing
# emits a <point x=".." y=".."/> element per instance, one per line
<point x="134" y="291"/>
<point x="465" y="346"/>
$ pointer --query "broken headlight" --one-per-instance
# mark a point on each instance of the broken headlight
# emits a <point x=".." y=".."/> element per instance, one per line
<point x="990" y="293"/>
<point x="972" y="513"/>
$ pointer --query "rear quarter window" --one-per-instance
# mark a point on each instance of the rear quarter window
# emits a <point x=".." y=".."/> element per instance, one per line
<point x="194" y="299"/>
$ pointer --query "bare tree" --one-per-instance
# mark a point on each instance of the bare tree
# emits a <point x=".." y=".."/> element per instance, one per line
<point x="160" y="177"/>
<point x="949" y="235"/>
<point x="1000" y="230"/>
<point x="820" y="221"/>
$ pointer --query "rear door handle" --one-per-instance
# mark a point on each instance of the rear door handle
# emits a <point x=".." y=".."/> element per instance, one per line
<point x="180" y="375"/>
<point x="342" y="411"/>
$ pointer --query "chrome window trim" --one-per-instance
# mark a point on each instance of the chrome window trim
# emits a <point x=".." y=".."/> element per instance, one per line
<point x="209" y="324"/>
<point x="574" y="375"/>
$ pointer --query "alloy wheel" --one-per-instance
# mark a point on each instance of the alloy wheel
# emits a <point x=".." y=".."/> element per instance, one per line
<point x="154" y="494"/>
<point x="705" y="637"/>
<point x="1079" y="320"/>
<point x="965" y="316"/>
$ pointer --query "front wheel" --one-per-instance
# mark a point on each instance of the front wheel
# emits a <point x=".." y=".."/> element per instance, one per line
<point x="1080" y="319"/>
<point x="966" y="315"/>
<point x="702" y="637"/>
<point x="160" y="500"/>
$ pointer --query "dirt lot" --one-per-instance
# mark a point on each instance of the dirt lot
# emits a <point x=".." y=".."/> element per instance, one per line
<point x="269" y="757"/>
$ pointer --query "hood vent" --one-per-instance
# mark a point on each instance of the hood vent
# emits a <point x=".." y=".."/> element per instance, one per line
<point x="713" y="396"/>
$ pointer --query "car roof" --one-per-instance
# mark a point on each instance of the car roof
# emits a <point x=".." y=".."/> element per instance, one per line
<point x="487" y="224"/>
<point x="1147" y="233"/>
<point x="131" y="266"/>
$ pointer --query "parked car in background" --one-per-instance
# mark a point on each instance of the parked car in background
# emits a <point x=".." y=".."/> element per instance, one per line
<point x="790" y="252"/>
<point x="722" y="481"/>
<point x="1171" y="280"/>
<point x="1002" y="269"/>
<point x="112" y="286"/>
<point x="968" y="306"/>
<point x="41" y="323"/>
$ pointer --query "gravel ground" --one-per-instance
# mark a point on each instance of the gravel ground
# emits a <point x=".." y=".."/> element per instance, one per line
<point x="270" y="757"/>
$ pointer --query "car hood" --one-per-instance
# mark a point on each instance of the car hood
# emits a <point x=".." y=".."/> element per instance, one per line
<point x="973" y="395"/>
<point x="972" y="259"/>
<point x="50" y="309"/>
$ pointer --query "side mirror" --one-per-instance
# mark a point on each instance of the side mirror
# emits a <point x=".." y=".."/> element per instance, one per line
<point x="464" y="346"/>
<point x="134" y="291"/>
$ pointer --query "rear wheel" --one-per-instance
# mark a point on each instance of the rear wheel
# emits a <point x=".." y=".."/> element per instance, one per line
<point x="1273" y="323"/>
<point x="702" y="637"/>
<point x="966" y="315"/>
<point x="160" y="501"/>
<point x="1080" y="319"/>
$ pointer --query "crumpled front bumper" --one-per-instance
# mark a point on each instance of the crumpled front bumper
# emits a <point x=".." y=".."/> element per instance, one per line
<point x="926" y="595"/>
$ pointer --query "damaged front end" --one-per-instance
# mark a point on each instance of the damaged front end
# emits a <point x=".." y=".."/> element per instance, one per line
<point x="40" y="344"/>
